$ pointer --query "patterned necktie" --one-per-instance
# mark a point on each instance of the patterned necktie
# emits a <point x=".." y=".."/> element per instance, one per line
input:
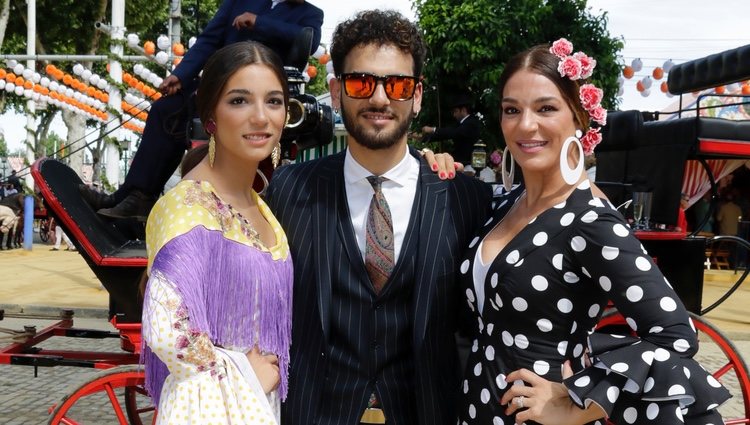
<point x="379" y="240"/>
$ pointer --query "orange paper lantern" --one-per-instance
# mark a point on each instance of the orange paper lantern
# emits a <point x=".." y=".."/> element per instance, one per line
<point x="658" y="73"/>
<point x="149" y="47"/>
<point x="324" y="58"/>
<point x="2" y="73"/>
<point x="746" y="88"/>
<point x="720" y="90"/>
<point x="178" y="49"/>
<point x="10" y="77"/>
<point x="50" y="69"/>
<point x="176" y="61"/>
<point x="312" y="71"/>
<point x="628" y="72"/>
<point x="663" y="87"/>
<point x="28" y="85"/>
<point x="19" y="81"/>
<point x="639" y="86"/>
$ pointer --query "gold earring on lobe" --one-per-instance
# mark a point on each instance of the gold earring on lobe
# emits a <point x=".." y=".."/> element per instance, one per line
<point x="276" y="155"/>
<point x="211" y="150"/>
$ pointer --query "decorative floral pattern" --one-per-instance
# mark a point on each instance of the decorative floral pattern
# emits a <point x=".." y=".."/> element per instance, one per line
<point x="193" y="346"/>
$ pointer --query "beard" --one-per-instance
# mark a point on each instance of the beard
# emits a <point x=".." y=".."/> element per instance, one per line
<point x="375" y="138"/>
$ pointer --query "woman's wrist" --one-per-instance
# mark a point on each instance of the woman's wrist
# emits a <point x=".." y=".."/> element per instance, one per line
<point x="593" y="412"/>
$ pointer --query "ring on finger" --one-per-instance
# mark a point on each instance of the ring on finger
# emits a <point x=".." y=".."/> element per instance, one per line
<point x="519" y="402"/>
<point x="424" y="151"/>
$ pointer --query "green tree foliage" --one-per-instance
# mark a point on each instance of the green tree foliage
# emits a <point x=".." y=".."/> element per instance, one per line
<point x="470" y="41"/>
<point x="3" y="147"/>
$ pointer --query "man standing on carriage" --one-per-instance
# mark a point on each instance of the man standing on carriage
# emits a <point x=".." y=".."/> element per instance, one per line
<point x="275" y="23"/>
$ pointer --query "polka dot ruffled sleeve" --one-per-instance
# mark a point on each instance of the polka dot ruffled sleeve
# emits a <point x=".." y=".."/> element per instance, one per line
<point x="650" y="376"/>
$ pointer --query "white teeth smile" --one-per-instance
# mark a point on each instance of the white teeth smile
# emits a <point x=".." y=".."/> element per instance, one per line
<point x="255" y="136"/>
<point x="532" y="145"/>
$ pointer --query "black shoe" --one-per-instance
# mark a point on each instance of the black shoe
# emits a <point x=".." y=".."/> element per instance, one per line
<point x="136" y="205"/>
<point x="96" y="200"/>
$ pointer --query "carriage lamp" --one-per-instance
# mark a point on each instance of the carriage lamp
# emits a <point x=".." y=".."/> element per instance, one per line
<point x="479" y="156"/>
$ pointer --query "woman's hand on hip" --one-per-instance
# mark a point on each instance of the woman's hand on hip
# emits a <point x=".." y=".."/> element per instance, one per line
<point x="266" y="368"/>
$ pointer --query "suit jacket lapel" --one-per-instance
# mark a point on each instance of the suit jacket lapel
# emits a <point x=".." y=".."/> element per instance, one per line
<point x="433" y="217"/>
<point x="326" y="202"/>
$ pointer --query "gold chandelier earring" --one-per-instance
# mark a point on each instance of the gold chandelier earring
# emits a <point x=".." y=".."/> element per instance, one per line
<point x="211" y="129"/>
<point x="276" y="155"/>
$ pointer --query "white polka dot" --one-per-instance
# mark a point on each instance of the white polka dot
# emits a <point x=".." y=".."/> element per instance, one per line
<point x="713" y="382"/>
<point x="578" y="244"/>
<point x="634" y="293"/>
<point x="610" y="252"/>
<point x="681" y="345"/>
<point x="541" y="367"/>
<point x="605" y="283"/>
<point x="571" y="277"/>
<point x="596" y="202"/>
<point x="540" y="239"/>
<point x="620" y="367"/>
<point x="589" y="217"/>
<point x="466" y="386"/>
<point x="497" y="421"/>
<point x="652" y="411"/>
<point x="712" y="406"/>
<point x="594" y="310"/>
<point x="560" y="206"/>
<point x="676" y="390"/>
<point x="465" y="267"/>
<point x="490" y="327"/>
<point x="521" y="341"/>
<point x="648" y="385"/>
<point x="488" y="222"/>
<point x="501" y="382"/>
<point x="574" y="327"/>
<point x="475" y="346"/>
<point x="582" y="381"/>
<point x="557" y="261"/>
<point x="668" y="304"/>
<point x="489" y="353"/>
<point x="544" y="325"/>
<point x="577" y="350"/>
<point x="498" y="301"/>
<point x="474" y="242"/>
<point x="585" y="272"/>
<point x="686" y="371"/>
<point x="562" y="347"/>
<point x="470" y="295"/>
<point x="485" y="395"/>
<point x="567" y="218"/>
<point x="565" y="305"/>
<point x="513" y="257"/>
<point x="648" y="357"/>
<point x="518" y="264"/>
<point x="493" y="280"/>
<point x="661" y="355"/>
<point x="643" y="264"/>
<point x="619" y="230"/>
<point x="630" y="415"/>
<point x="507" y="338"/>
<point x="612" y="394"/>
<point x="678" y="413"/>
<point x="472" y="411"/>
<point x="478" y="369"/>
<point x="539" y="283"/>
<point x="520" y="304"/>
<point x="655" y="330"/>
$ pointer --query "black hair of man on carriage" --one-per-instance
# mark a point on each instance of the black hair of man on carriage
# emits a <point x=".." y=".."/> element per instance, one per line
<point x="375" y="341"/>
<point x="276" y="24"/>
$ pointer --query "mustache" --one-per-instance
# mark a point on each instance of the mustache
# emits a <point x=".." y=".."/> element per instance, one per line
<point x="384" y="110"/>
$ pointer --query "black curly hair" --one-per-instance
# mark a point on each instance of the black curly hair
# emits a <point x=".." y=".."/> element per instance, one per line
<point x="380" y="27"/>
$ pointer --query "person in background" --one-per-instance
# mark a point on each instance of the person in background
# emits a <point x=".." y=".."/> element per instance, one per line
<point x="700" y="210"/>
<point x="464" y="135"/>
<point x="375" y="236"/>
<point x="217" y="304"/>
<point x="274" y="23"/>
<point x="540" y="272"/>
<point x="682" y="223"/>
<point x="60" y="236"/>
<point x="729" y="215"/>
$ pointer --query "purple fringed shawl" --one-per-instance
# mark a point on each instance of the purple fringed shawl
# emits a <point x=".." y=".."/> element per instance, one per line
<point x="238" y="295"/>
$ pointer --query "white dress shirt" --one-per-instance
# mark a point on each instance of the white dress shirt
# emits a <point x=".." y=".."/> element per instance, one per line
<point x="399" y="191"/>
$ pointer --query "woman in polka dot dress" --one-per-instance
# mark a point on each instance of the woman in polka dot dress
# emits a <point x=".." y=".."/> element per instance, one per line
<point x="217" y="307"/>
<point x="541" y="270"/>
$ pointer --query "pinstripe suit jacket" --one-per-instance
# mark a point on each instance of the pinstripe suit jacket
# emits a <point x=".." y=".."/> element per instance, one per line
<point x="307" y="199"/>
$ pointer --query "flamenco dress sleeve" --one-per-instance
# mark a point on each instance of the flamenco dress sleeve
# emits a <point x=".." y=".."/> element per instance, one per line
<point x="648" y="376"/>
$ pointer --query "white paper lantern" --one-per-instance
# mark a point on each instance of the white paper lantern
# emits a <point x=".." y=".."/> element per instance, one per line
<point x="668" y="64"/>
<point x="18" y="90"/>
<point x="69" y="92"/>
<point x="191" y="42"/>
<point x="162" y="42"/>
<point x="133" y="39"/>
<point x="53" y="85"/>
<point x="94" y="79"/>
<point x="647" y="81"/>
<point x="158" y="81"/>
<point x="620" y="81"/>
<point x="646" y="92"/>
<point x="86" y="75"/>
<point x="2" y="84"/>
<point x="35" y="97"/>
<point x="78" y="69"/>
<point x="11" y="63"/>
<point x="44" y="82"/>
<point x="162" y="57"/>
<point x="36" y="78"/>
<point x="319" y="52"/>
<point x="620" y="91"/>
<point x="27" y="93"/>
<point x="18" y="69"/>
<point x="637" y="64"/>
<point x="27" y="74"/>
<point x="102" y="84"/>
<point x="138" y="68"/>
<point x="10" y="87"/>
<point x="329" y="67"/>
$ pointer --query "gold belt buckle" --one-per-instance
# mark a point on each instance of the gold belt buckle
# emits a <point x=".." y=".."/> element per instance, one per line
<point x="373" y="416"/>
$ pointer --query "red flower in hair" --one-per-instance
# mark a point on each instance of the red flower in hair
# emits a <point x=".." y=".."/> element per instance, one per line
<point x="599" y="115"/>
<point x="590" y="140"/>
<point x="587" y="64"/>
<point x="570" y="67"/>
<point x="591" y="96"/>
<point x="561" y="48"/>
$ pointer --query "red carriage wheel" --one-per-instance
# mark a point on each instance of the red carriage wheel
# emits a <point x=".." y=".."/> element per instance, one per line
<point x="103" y="389"/>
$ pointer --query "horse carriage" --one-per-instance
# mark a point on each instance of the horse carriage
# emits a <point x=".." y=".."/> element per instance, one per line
<point x="634" y="152"/>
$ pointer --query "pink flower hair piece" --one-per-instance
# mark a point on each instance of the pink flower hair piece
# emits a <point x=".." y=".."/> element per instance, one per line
<point x="580" y="66"/>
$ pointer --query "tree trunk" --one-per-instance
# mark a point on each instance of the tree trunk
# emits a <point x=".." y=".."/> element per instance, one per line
<point x="4" y="14"/>
<point x="76" y="124"/>
<point x="42" y="131"/>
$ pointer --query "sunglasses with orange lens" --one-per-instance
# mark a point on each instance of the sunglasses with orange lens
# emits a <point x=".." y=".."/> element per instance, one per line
<point x="361" y="85"/>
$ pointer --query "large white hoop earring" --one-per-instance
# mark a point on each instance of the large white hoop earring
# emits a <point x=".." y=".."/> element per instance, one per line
<point x="508" y="177"/>
<point x="571" y="175"/>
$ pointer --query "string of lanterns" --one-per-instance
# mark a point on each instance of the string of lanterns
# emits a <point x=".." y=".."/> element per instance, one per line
<point x="645" y="84"/>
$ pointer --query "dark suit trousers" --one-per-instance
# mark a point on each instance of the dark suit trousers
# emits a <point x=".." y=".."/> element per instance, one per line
<point x="162" y="146"/>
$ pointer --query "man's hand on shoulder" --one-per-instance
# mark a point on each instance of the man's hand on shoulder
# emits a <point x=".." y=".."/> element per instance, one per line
<point x="170" y="85"/>
<point x="246" y="20"/>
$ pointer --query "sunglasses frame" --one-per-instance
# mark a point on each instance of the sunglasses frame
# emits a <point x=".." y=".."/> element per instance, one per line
<point x="378" y="79"/>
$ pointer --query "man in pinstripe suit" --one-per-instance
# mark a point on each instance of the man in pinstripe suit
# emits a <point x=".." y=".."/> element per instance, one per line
<point x="362" y="352"/>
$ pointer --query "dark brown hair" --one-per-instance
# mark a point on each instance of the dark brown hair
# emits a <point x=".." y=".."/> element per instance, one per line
<point x="379" y="27"/>
<point x="539" y="60"/>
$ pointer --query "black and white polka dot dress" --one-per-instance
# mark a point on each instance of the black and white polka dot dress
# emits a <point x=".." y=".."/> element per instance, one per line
<point x="544" y="293"/>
